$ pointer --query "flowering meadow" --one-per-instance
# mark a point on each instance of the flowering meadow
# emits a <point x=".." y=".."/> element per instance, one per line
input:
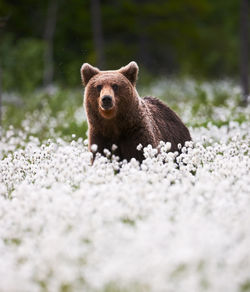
<point x="171" y="224"/>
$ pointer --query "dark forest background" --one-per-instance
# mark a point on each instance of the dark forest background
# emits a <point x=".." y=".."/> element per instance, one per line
<point x="46" y="41"/>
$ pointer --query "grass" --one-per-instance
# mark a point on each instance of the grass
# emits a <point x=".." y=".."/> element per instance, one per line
<point x="54" y="110"/>
<point x="58" y="112"/>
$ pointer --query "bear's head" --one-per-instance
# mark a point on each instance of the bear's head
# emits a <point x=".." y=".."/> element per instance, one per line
<point x="109" y="93"/>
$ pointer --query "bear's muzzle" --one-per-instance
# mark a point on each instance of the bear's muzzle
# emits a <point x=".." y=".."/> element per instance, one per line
<point x="106" y="102"/>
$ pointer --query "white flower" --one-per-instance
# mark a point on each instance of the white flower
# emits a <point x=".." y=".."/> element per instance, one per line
<point x="139" y="147"/>
<point x="94" y="147"/>
<point x="114" y="147"/>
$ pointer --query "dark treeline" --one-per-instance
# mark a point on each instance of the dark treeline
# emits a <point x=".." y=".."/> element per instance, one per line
<point x="45" y="41"/>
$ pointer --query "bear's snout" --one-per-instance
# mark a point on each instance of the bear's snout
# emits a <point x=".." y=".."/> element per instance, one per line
<point x="107" y="102"/>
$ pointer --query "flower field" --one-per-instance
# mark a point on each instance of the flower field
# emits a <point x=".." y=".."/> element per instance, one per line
<point x="171" y="224"/>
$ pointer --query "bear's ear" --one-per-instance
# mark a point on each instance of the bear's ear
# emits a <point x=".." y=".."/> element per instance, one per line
<point x="87" y="72"/>
<point x="130" y="71"/>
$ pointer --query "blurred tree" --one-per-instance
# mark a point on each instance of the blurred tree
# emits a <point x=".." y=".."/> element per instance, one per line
<point x="0" y="94"/>
<point x="50" y="27"/>
<point x="3" y="21"/>
<point x="143" y="52"/>
<point x="198" y="37"/>
<point x="97" y="32"/>
<point x="244" y="51"/>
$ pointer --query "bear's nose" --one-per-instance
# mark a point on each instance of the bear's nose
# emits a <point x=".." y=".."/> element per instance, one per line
<point x="107" y="101"/>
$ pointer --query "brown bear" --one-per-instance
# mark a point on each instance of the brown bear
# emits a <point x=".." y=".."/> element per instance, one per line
<point x="117" y="115"/>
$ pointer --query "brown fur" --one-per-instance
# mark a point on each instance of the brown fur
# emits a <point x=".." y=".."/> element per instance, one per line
<point x="132" y="120"/>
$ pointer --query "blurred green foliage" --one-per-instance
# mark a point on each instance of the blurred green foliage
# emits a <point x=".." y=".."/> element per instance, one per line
<point x="197" y="37"/>
<point x="22" y="63"/>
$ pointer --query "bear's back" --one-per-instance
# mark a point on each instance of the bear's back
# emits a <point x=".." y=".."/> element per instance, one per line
<point x="169" y="124"/>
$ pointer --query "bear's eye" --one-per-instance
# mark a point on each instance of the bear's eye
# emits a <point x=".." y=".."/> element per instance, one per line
<point x="99" y="88"/>
<point x="115" y="87"/>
